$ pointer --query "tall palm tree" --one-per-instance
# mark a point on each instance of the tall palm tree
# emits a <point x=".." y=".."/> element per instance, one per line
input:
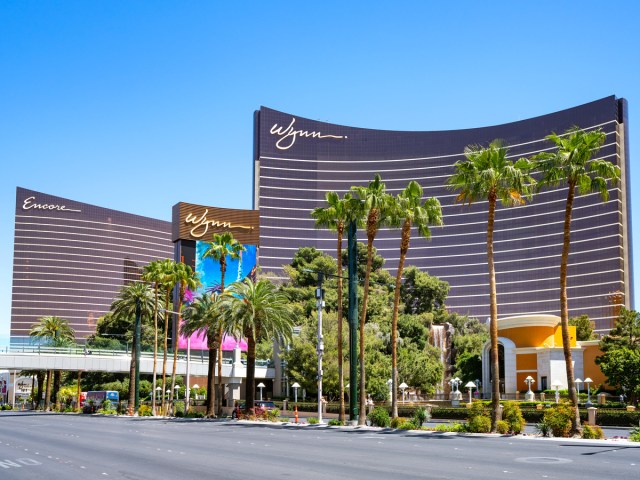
<point x="335" y="216"/>
<point x="186" y="278"/>
<point x="153" y="273"/>
<point x="124" y="307"/>
<point x="203" y="316"/>
<point x="224" y="247"/>
<point x="488" y="174"/>
<point x="374" y="201"/>
<point x="256" y="310"/>
<point x="409" y="211"/>
<point x="168" y="281"/>
<point x="54" y="331"/>
<point x="571" y="164"/>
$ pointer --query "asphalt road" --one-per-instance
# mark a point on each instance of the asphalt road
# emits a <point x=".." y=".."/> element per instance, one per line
<point x="52" y="447"/>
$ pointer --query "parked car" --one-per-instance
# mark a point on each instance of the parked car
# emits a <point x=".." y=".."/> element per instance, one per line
<point x="260" y="406"/>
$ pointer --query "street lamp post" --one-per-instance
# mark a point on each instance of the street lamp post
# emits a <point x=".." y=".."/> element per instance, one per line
<point x="390" y="385"/>
<point x="295" y="387"/>
<point x="261" y="386"/>
<point x="403" y="387"/>
<point x="557" y="386"/>
<point x="578" y="381"/>
<point x="320" y="348"/>
<point x="588" y="381"/>
<point x="470" y="385"/>
<point x="177" y="389"/>
<point x="529" y="396"/>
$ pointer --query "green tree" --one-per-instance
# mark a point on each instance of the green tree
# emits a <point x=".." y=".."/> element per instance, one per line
<point x="57" y="332"/>
<point x="153" y="273"/>
<point x="374" y="202"/>
<point x="421" y="292"/>
<point x="584" y="327"/>
<point x="203" y="316"/>
<point x="487" y="174"/>
<point x="408" y="210"/>
<point x="620" y="361"/>
<point x="168" y="280"/>
<point x="186" y="279"/>
<point x="334" y="217"/>
<point x="124" y="306"/>
<point x="256" y="310"/>
<point x="571" y="164"/>
<point x="224" y="247"/>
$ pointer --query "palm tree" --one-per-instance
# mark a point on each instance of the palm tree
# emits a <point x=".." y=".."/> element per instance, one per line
<point x="223" y="247"/>
<point x="374" y="201"/>
<point x="124" y="307"/>
<point x="57" y="332"/>
<point x="256" y="310"/>
<point x="408" y="210"/>
<point x="168" y="281"/>
<point x="571" y="165"/>
<point x="152" y="273"/>
<point x="203" y="316"/>
<point x="186" y="278"/>
<point x="488" y="174"/>
<point x="335" y="216"/>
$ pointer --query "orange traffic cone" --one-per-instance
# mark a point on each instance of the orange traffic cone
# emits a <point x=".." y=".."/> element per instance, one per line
<point x="295" y="413"/>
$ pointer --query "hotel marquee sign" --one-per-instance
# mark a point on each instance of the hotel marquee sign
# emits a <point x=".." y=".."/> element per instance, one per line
<point x="289" y="134"/>
<point x="30" y="203"/>
<point x="197" y="222"/>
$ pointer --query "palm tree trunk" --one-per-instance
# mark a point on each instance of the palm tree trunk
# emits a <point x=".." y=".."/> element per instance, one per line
<point x="175" y="347"/>
<point x="493" y="305"/>
<point x="57" y="377"/>
<point x="340" y="357"/>
<point x="372" y="222"/>
<point x="251" y="371"/>
<point x="78" y="391"/>
<point x="576" y="427"/>
<point x="41" y="376"/>
<point x="155" y="351"/>
<point x="404" y="248"/>
<point x="164" y="353"/>
<point x="132" y="380"/>
<point x="47" y="395"/>
<point x="219" y="391"/>
<point x="211" y="375"/>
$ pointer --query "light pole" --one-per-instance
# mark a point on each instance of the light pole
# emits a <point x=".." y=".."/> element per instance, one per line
<point x="390" y="385"/>
<point x="588" y="381"/>
<point x="403" y="387"/>
<point x="578" y="382"/>
<point x="320" y="349"/>
<point x="557" y="386"/>
<point x="295" y="387"/>
<point x="158" y="390"/>
<point x="470" y="385"/>
<point x="529" y="396"/>
<point x="177" y="389"/>
<point x="261" y="386"/>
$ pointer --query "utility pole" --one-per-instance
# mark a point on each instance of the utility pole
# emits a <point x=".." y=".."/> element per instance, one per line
<point x="320" y="349"/>
<point x="352" y="255"/>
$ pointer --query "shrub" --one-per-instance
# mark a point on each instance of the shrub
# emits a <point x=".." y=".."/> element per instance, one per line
<point x="312" y="420"/>
<point x="634" y="434"/>
<point x="592" y="432"/>
<point x="408" y="425"/>
<point x="178" y="409"/>
<point x="502" y="427"/>
<point x="450" y="427"/>
<point x="543" y="428"/>
<point x="273" y="415"/>
<point x="513" y="416"/>
<point x="421" y="415"/>
<point x="379" y="417"/>
<point x="396" y="422"/>
<point x="558" y="419"/>
<point x="195" y="415"/>
<point x="334" y="422"/>
<point x="479" y="424"/>
<point x="144" y="411"/>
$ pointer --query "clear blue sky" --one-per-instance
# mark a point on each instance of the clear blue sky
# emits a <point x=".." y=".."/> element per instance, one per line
<point x="138" y="105"/>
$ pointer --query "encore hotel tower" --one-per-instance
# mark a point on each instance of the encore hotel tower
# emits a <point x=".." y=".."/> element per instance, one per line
<point x="297" y="160"/>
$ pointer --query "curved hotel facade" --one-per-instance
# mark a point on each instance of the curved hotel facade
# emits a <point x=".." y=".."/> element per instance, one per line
<point x="71" y="259"/>
<point x="297" y="160"/>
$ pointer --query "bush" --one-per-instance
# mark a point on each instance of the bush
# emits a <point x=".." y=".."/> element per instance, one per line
<point x="450" y="427"/>
<point x="558" y="419"/>
<point x="178" y="409"/>
<point x="592" y="432"/>
<point x="145" y="411"/>
<point x="513" y="416"/>
<point x="408" y="425"/>
<point x="502" y="427"/>
<point x="273" y="415"/>
<point x="479" y="424"/>
<point x="634" y="434"/>
<point x="543" y="429"/>
<point x="195" y="415"/>
<point x="312" y="420"/>
<point x="618" y="418"/>
<point x="334" y="422"/>
<point x="396" y="422"/>
<point x="379" y="417"/>
<point x="420" y="416"/>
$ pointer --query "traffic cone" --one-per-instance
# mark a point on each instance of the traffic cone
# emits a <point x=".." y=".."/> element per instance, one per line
<point x="295" y="413"/>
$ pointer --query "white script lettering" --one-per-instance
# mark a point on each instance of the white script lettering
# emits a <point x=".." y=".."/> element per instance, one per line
<point x="288" y="135"/>
<point x="202" y="224"/>
<point x="29" y="203"/>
